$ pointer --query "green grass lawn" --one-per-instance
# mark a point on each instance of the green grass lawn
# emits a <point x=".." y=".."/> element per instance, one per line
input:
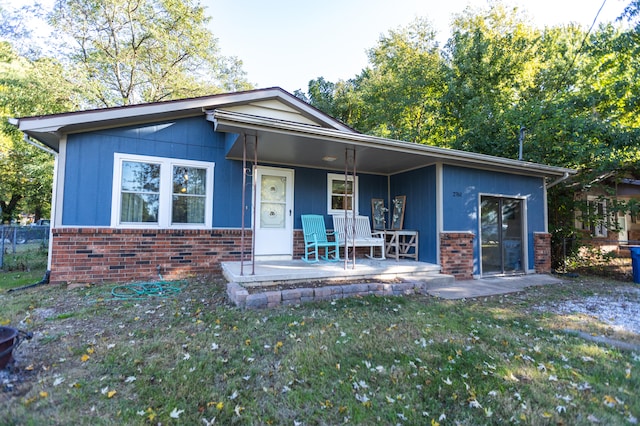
<point x="194" y="359"/>
<point x="23" y="268"/>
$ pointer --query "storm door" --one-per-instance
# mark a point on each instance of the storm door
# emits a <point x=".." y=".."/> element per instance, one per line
<point x="274" y="214"/>
<point x="501" y="235"/>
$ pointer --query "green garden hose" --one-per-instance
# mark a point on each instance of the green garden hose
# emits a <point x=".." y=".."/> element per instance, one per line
<point x="140" y="291"/>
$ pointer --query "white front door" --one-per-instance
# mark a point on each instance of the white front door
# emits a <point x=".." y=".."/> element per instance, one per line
<point x="274" y="213"/>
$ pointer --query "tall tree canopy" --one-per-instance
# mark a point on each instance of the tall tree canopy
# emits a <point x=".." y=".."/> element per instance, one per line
<point x="27" y="87"/>
<point x="130" y="51"/>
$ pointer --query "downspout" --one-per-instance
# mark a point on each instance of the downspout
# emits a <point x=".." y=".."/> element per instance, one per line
<point x="557" y="181"/>
<point x="47" y="274"/>
<point x="37" y="145"/>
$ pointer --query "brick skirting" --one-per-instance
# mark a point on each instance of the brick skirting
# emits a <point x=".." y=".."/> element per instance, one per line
<point x="542" y="252"/>
<point x="95" y="255"/>
<point x="456" y="254"/>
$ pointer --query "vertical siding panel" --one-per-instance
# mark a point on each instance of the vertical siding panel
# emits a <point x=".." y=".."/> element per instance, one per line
<point x="419" y="186"/>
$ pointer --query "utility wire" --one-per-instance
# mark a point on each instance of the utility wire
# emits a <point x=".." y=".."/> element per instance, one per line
<point x="575" y="56"/>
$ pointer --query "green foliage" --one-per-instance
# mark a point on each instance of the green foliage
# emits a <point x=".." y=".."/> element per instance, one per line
<point x="27" y="87"/>
<point x="133" y="51"/>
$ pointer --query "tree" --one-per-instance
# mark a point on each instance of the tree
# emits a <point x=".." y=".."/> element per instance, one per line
<point x="406" y="78"/>
<point x="398" y="95"/>
<point x="131" y="51"/>
<point x="493" y="60"/>
<point x="27" y="88"/>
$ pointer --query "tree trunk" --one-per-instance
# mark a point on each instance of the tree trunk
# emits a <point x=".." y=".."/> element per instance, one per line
<point x="9" y="208"/>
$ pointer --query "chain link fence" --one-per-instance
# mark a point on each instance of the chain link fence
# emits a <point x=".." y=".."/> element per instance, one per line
<point x="17" y="239"/>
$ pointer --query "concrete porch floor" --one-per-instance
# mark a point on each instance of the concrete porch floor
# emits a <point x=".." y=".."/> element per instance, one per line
<point x="268" y="273"/>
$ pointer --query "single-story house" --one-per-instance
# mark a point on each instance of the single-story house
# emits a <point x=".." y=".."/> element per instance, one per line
<point x="167" y="188"/>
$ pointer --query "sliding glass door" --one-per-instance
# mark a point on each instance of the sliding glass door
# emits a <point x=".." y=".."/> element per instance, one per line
<point x="501" y="235"/>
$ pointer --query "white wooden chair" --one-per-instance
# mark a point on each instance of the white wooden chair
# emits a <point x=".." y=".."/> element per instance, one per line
<point x="363" y="235"/>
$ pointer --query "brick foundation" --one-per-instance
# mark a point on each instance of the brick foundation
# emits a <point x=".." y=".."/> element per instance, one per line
<point x="456" y="254"/>
<point x="542" y="252"/>
<point x="94" y="255"/>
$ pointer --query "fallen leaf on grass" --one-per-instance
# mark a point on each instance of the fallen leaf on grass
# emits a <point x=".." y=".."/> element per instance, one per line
<point x="474" y="404"/>
<point x="176" y="413"/>
<point x="593" y="419"/>
<point x="209" y="422"/>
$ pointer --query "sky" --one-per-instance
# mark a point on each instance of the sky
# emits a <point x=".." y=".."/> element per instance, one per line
<point x="287" y="43"/>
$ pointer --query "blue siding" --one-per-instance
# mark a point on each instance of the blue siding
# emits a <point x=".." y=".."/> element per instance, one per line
<point x="89" y="171"/>
<point x="420" y="212"/>
<point x="311" y="193"/>
<point x="461" y="189"/>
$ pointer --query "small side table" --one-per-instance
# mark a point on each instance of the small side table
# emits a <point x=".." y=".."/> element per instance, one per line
<point x="399" y="243"/>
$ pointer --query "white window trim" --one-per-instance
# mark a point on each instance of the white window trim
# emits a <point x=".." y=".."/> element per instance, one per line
<point x="334" y="176"/>
<point x="166" y="192"/>
<point x="598" y="231"/>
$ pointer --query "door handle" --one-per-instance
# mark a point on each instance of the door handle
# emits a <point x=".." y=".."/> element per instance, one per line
<point x="289" y="212"/>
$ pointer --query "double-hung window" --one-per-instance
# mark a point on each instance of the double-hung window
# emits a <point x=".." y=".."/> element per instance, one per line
<point x="595" y="217"/>
<point x="161" y="192"/>
<point x="341" y="194"/>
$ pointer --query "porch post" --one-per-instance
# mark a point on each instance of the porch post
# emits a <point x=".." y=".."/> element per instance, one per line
<point x="353" y="208"/>
<point x="346" y="181"/>
<point x="244" y="191"/>
<point x="255" y="187"/>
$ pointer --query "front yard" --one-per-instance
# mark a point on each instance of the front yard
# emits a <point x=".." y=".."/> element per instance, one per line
<point x="192" y="358"/>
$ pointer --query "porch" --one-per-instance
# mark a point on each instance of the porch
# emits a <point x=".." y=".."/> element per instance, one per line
<point x="293" y="282"/>
<point x="271" y="273"/>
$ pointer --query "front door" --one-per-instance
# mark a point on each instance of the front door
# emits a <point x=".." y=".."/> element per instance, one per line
<point x="274" y="213"/>
<point x="501" y="235"/>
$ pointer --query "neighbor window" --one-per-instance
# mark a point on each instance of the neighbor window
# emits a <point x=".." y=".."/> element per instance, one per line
<point x="595" y="217"/>
<point x="341" y="193"/>
<point x="161" y="192"/>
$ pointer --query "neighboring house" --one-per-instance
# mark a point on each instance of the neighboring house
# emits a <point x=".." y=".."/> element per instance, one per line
<point x="166" y="187"/>
<point x="601" y="230"/>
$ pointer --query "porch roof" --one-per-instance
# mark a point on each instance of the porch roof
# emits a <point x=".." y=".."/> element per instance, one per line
<point x="295" y="144"/>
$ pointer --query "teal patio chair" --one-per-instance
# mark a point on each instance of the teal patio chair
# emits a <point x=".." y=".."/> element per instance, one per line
<point x="315" y="237"/>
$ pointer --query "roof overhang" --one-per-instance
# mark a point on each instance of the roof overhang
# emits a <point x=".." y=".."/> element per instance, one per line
<point x="295" y="144"/>
<point x="298" y="135"/>
<point x="49" y="129"/>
